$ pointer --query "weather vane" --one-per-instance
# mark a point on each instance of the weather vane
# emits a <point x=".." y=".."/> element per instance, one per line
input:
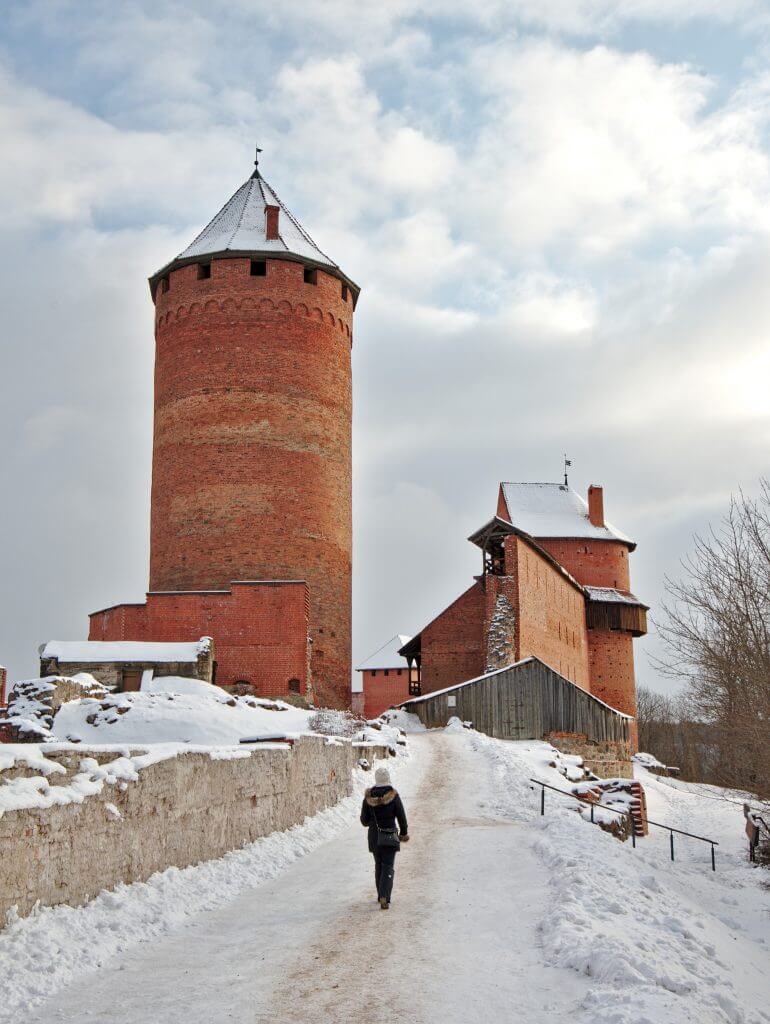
<point x="567" y="464"/>
<point x="256" y="158"/>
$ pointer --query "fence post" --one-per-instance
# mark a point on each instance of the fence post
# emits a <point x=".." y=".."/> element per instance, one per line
<point x="542" y="801"/>
<point x="672" y="845"/>
<point x="592" y="812"/>
<point x="713" y="859"/>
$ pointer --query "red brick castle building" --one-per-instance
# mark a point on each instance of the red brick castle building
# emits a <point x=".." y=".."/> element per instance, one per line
<point x="251" y="519"/>
<point x="555" y="585"/>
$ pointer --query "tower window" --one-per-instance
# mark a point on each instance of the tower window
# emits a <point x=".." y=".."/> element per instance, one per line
<point x="344" y="293"/>
<point x="294" y="686"/>
<point x="310" y="276"/>
<point x="204" y="271"/>
<point x="258" y="268"/>
<point x="164" y="285"/>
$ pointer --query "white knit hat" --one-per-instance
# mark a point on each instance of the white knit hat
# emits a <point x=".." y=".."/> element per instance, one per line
<point x="382" y="777"/>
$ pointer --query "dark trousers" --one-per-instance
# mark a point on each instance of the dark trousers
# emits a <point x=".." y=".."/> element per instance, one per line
<point x="384" y="869"/>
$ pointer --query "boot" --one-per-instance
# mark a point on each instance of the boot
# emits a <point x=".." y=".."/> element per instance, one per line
<point x="384" y="904"/>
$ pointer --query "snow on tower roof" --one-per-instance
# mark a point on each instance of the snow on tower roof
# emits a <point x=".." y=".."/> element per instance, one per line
<point x="240" y="229"/>
<point x="554" y="510"/>
<point x="387" y="656"/>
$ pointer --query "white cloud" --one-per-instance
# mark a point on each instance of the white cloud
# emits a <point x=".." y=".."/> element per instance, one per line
<point x="591" y="151"/>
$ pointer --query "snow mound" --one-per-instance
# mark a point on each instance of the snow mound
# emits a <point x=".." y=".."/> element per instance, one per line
<point x="456" y="724"/>
<point x="403" y="720"/>
<point x="32" y="703"/>
<point x="203" y="715"/>
<point x="661" y="941"/>
<point x="183" y="685"/>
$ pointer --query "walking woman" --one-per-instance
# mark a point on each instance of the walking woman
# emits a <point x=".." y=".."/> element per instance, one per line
<point x="380" y="811"/>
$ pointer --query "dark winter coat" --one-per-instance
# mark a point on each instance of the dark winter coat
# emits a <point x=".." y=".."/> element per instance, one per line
<point x="382" y="806"/>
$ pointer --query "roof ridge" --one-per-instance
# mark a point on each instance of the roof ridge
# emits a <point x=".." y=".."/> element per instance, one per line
<point x="237" y="227"/>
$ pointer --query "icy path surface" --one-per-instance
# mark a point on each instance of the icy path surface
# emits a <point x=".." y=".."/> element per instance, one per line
<point x="459" y="944"/>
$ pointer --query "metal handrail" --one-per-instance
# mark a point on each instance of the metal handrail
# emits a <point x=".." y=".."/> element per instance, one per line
<point x="668" y="828"/>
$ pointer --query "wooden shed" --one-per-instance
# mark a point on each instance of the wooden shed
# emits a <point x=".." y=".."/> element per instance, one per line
<point x="524" y="701"/>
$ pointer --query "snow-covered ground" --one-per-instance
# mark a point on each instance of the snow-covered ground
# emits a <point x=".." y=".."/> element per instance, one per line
<point x="498" y="914"/>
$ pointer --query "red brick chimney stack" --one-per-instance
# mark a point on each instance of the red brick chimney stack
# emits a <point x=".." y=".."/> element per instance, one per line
<point x="271" y="222"/>
<point x="596" y="505"/>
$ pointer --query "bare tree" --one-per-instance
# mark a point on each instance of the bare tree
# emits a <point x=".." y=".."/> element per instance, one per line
<point x="716" y="631"/>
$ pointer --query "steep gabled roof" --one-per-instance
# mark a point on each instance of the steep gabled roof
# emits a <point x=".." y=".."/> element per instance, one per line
<point x="239" y="229"/>
<point x="387" y="656"/>
<point x="554" y="510"/>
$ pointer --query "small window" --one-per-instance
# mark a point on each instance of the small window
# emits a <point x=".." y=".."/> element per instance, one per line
<point x="374" y="672"/>
<point x="258" y="268"/>
<point x="398" y="671"/>
<point x="294" y="686"/>
<point x="344" y="293"/>
<point x="204" y="271"/>
<point x="310" y="276"/>
<point x="164" y="285"/>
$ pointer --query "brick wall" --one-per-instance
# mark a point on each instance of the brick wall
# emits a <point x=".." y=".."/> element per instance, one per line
<point x="181" y="811"/>
<point x="252" y="443"/>
<point x="551" y="613"/>
<point x="453" y="645"/>
<point x="595" y="563"/>
<point x="613" y="679"/>
<point x="260" y="630"/>
<point x="384" y="688"/>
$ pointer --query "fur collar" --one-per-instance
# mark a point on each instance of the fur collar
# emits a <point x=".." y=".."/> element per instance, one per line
<point x="379" y="801"/>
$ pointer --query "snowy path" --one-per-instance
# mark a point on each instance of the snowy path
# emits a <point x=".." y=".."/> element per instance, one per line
<point x="313" y="944"/>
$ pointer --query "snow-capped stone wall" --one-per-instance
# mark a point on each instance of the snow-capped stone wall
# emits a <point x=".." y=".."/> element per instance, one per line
<point x="119" y="815"/>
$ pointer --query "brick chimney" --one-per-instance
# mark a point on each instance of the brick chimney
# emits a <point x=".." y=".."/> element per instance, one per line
<point x="271" y="221"/>
<point x="596" y="505"/>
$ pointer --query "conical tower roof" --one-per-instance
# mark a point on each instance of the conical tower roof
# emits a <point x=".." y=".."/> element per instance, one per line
<point x="239" y="229"/>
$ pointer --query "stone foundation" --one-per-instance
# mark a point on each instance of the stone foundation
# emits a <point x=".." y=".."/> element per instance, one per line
<point x="607" y="759"/>
<point x="181" y="811"/>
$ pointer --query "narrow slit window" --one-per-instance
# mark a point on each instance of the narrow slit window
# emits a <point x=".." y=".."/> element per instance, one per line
<point x="310" y="276"/>
<point x="164" y="285"/>
<point x="204" y="271"/>
<point x="344" y="293"/>
<point x="259" y="268"/>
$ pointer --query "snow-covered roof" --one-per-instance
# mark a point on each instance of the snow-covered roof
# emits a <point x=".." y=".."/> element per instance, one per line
<point x="387" y="656"/>
<point x="612" y="596"/>
<point x="554" y="510"/>
<point x="240" y="229"/>
<point x="96" y="651"/>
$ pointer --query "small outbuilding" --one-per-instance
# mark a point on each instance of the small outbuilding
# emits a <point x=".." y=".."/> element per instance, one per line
<point x="385" y="679"/>
<point x="125" y="664"/>
<point x="524" y="701"/>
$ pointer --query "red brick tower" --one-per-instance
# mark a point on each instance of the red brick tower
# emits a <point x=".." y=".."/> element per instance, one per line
<point x="596" y="554"/>
<point x="251" y="474"/>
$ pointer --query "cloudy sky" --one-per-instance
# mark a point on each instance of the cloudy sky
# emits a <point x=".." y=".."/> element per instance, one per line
<point x="558" y="211"/>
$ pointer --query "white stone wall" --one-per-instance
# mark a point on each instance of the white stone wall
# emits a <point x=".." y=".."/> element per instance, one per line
<point x="181" y="811"/>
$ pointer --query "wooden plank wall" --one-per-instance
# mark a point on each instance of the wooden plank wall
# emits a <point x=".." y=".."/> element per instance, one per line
<point x="524" y="702"/>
